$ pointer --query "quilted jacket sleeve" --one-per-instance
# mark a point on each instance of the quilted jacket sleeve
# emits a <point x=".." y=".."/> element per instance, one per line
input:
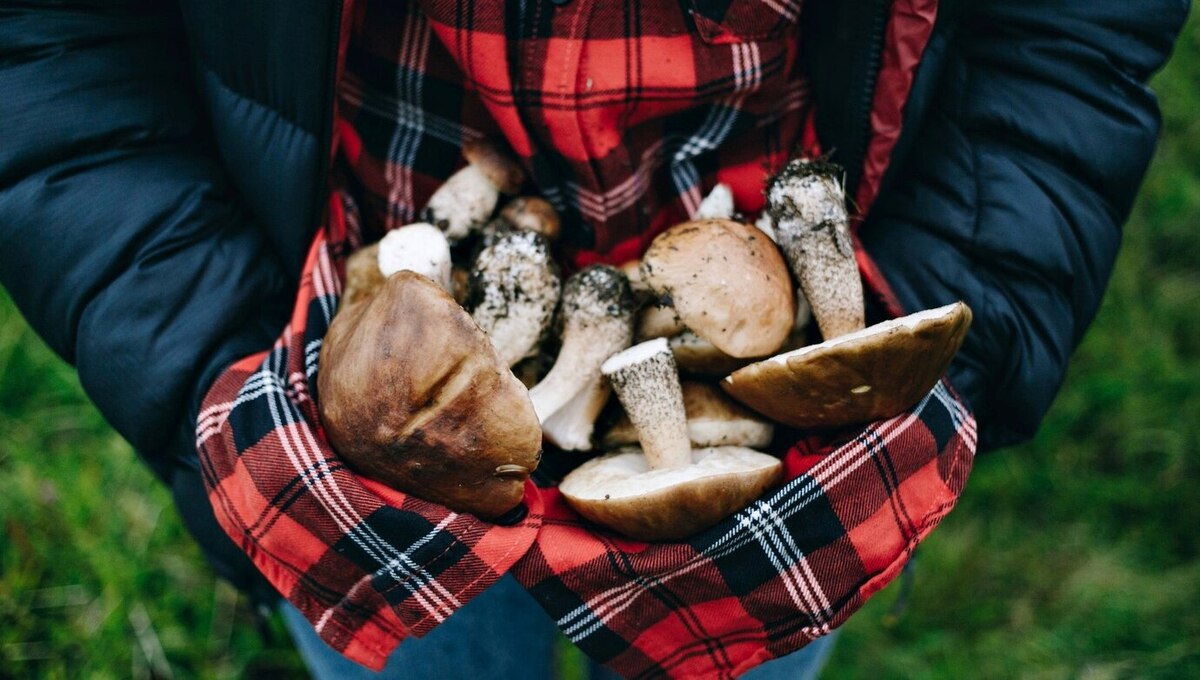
<point x="120" y="239"/>
<point x="1015" y="186"/>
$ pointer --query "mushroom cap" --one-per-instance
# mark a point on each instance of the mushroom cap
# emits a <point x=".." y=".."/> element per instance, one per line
<point x="501" y="169"/>
<point x="621" y="492"/>
<point x="712" y="420"/>
<point x="414" y="396"/>
<point x="419" y="247"/>
<point x="728" y="283"/>
<point x="696" y="356"/>
<point x="363" y="277"/>
<point x="531" y="213"/>
<point x="870" y="374"/>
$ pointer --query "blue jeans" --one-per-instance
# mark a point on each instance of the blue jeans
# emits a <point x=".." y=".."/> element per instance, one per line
<point x="502" y="633"/>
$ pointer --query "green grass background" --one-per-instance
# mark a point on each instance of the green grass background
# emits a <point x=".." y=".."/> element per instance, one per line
<point x="1074" y="556"/>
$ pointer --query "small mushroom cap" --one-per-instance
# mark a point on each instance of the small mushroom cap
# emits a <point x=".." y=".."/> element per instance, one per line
<point x="870" y="374"/>
<point x="413" y="396"/>
<point x="363" y="277"/>
<point x="620" y="491"/>
<point x="712" y="420"/>
<point x="728" y="283"/>
<point x="531" y="213"/>
<point x="501" y="170"/>
<point x="418" y="247"/>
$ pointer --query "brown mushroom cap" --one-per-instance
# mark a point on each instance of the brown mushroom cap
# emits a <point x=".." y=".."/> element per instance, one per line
<point x="712" y="420"/>
<point x="413" y="395"/>
<point x="728" y="283"/>
<point x="531" y="213"/>
<point x="363" y="277"/>
<point x="502" y="170"/>
<point x="696" y="356"/>
<point x="620" y="491"/>
<point x="874" y="373"/>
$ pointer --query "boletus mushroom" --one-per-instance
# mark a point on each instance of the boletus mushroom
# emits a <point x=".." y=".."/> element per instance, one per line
<point x="666" y="490"/>
<point x="873" y="373"/>
<point x="597" y="322"/>
<point x="467" y="199"/>
<point x="726" y="281"/>
<point x="414" y="396"/>
<point x="513" y="292"/>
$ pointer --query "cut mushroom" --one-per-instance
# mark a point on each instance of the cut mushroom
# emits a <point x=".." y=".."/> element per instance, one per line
<point x="874" y="373"/>
<point x="420" y="248"/>
<point x="597" y="311"/>
<point x="666" y="491"/>
<point x="467" y="199"/>
<point x="727" y="282"/>
<point x="807" y="205"/>
<point x="514" y="290"/>
<point x="712" y="420"/>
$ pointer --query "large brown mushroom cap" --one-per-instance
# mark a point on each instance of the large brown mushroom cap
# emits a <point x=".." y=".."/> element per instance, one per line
<point x="620" y="491"/>
<point x="413" y="395"/>
<point x="728" y="283"/>
<point x="874" y="373"/>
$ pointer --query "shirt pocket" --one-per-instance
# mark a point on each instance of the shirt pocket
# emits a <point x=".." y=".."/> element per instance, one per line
<point x="726" y="22"/>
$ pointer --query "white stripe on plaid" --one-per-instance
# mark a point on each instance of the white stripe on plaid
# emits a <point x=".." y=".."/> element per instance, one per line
<point x="407" y="135"/>
<point x="826" y="474"/>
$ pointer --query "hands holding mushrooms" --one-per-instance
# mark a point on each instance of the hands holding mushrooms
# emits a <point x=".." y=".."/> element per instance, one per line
<point x="420" y="393"/>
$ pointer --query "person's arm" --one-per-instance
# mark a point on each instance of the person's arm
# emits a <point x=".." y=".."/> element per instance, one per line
<point x="120" y="239"/>
<point x="1017" y="184"/>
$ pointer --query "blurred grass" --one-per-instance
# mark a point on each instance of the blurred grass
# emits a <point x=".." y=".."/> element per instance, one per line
<point x="1073" y="556"/>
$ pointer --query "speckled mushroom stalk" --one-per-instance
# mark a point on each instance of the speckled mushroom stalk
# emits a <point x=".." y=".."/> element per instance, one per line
<point x="807" y="204"/>
<point x="597" y="312"/>
<point x="467" y="199"/>
<point x="514" y="289"/>
<point x="646" y="381"/>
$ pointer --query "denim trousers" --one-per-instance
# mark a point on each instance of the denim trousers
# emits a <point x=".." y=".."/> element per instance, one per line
<point x="502" y="633"/>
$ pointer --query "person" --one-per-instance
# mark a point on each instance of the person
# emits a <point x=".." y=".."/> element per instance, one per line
<point x="165" y="167"/>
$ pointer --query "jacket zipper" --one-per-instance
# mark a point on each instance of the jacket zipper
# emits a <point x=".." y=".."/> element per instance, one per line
<point x="861" y="111"/>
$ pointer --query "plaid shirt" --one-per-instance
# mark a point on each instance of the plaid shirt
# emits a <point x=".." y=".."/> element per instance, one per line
<point x="623" y="118"/>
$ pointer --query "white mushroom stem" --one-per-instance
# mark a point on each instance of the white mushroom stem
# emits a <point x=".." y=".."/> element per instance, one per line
<point x="570" y="428"/>
<point x="515" y="288"/>
<point x="766" y="225"/>
<point x="717" y="205"/>
<point x="418" y="247"/>
<point x="808" y="207"/>
<point x="597" y="310"/>
<point x="646" y="381"/>
<point x="463" y="202"/>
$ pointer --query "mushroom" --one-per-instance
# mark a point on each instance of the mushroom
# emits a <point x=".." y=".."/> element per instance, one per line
<point x="514" y="289"/>
<point x="530" y="213"/>
<point x="658" y="320"/>
<point x="697" y="356"/>
<point x="418" y="247"/>
<point x="465" y="201"/>
<point x="597" y="312"/>
<point x="726" y="281"/>
<point x="718" y="204"/>
<point x="363" y="277"/>
<point x="666" y="490"/>
<point x="873" y="373"/>
<point x="807" y="204"/>
<point x="414" y="396"/>
<point x="712" y="420"/>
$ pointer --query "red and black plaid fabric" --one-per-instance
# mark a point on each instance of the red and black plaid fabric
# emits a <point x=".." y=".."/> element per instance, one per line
<point x="624" y="117"/>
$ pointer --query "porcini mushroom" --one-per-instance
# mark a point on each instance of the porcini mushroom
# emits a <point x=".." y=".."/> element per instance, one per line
<point x="414" y="396"/>
<point x="418" y="247"/>
<point x="466" y="200"/>
<point x="718" y="204"/>
<point x="726" y="281"/>
<point x="712" y="420"/>
<point x="807" y="205"/>
<point x="666" y="490"/>
<point x="873" y="373"/>
<point x="363" y="277"/>
<point x="514" y="289"/>
<point x="597" y="313"/>
<point x="530" y="213"/>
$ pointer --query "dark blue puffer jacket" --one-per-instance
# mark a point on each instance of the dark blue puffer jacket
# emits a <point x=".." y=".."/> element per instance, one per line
<point x="162" y="169"/>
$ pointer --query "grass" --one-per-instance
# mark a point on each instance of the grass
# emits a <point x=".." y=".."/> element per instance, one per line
<point x="1076" y="555"/>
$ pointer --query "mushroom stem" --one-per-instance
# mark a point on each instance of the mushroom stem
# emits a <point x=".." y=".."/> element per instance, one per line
<point x="807" y="203"/>
<point x="646" y="381"/>
<point x="718" y="204"/>
<point x="597" y="310"/>
<point x="465" y="201"/>
<point x="515" y="287"/>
